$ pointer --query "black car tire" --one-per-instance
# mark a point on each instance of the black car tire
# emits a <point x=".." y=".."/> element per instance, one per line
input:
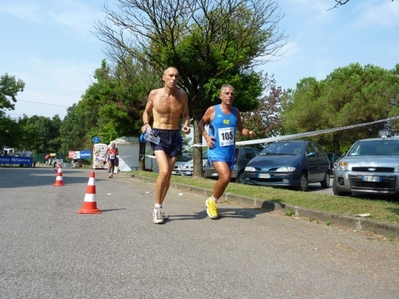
<point x="303" y="182"/>
<point x="240" y="178"/>
<point x="326" y="182"/>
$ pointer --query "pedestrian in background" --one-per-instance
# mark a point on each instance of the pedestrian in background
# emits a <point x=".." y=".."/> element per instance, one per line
<point x="111" y="156"/>
<point x="48" y="159"/>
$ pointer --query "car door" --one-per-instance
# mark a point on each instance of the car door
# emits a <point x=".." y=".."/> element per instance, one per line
<point x="323" y="163"/>
<point x="311" y="162"/>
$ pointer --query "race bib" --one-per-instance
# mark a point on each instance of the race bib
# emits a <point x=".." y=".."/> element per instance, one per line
<point x="112" y="156"/>
<point x="226" y="136"/>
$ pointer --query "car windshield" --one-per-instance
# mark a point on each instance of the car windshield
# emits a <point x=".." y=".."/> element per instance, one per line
<point x="382" y="147"/>
<point x="282" y="148"/>
<point x="184" y="158"/>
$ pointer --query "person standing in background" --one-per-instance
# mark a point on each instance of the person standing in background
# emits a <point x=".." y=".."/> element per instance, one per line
<point x="48" y="159"/>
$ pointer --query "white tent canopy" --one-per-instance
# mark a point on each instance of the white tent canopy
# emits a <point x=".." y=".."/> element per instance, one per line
<point x="129" y="149"/>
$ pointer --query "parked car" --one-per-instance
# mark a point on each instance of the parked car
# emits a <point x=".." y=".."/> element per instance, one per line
<point x="181" y="160"/>
<point x="294" y="163"/>
<point x="335" y="164"/>
<point x="370" y="166"/>
<point x="188" y="167"/>
<point x="243" y="156"/>
<point x="333" y="157"/>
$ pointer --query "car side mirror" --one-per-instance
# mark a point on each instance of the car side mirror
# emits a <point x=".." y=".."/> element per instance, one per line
<point x="311" y="155"/>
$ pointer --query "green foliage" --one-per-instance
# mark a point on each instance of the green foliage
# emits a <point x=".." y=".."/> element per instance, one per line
<point x="112" y="106"/>
<point x="290" y="213"/>
<point x="9" y="87"/>
<point x="265" y="120"/>
<point x="39" y="134"/>
<point x="248" y="88"/>
<point x="9" y="131"/>
<point x="349" y="95"/>
<point x="218" y="48"/>
<point x="73" y="130"/>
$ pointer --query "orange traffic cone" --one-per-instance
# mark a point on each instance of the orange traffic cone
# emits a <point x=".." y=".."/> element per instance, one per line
<point x="89" y="203"/>
<point x="58" y="179"/>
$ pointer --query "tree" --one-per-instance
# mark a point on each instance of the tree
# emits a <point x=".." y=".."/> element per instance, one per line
<point x="209" y="42"/>
<point x="112" y="106"/>
<point x="9" y="131"/>
<point x="349" y="95"/>
<point x="39" y="134"/>
<point x="116" y="100"/>
<point x="266" y="119"/>
<point x="73" y="130"/>
<point x="9" y="87"/>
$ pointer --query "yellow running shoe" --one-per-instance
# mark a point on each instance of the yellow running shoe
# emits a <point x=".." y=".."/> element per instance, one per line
<point x="211" y="208"/>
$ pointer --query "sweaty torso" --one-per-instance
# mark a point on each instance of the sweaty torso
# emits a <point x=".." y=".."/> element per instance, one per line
<point x="167" y="109"/>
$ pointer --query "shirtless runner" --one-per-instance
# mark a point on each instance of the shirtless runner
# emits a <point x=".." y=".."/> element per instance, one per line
<point x="166" y="104"/>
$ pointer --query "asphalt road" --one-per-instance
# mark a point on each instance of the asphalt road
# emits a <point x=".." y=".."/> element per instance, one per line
<point x="316" y="187"/>
<point x="48" y="250"/>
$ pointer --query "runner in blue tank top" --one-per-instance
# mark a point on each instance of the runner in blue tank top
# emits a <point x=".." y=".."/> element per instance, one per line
<point x="224" y="120"/>
<point x="223" y="130"/>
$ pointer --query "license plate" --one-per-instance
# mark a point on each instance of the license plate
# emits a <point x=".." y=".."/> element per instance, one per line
<point x="264" y="176"/>
<point x="371" y="178"/>
<point x="214" y="174"/>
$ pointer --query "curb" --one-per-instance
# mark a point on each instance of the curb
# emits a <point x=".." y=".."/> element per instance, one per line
<point x="356" y="223"/>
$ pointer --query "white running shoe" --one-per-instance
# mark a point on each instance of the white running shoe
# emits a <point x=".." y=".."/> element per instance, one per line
<point x="157" y="216"/>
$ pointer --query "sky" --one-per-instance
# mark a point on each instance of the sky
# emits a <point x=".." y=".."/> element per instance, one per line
<point x="50" y="45"/>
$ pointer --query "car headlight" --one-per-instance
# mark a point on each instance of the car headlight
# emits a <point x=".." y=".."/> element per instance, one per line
<point x="285" y="169"/>
<point x="343" y="165"/>
<point x="250" y="168"/>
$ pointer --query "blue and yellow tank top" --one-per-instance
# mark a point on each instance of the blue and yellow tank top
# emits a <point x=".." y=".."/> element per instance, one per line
<point x="223" y="127"/>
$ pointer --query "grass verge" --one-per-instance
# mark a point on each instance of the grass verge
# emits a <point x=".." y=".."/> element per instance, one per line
<point x="379" y="208"/>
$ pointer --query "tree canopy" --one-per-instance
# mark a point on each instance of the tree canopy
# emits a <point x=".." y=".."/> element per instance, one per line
<point x="39" y="134"/>
<point x="9" y="88"/>
<point x="349" y="95"/>
<point x="210" y="42"/>
<point x="111" y="106"/>
<point x="266" y="119"/>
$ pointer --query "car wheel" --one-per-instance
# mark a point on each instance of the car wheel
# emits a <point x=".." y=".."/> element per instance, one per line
<point x="303" y="182"/>
<point x="339" y="193"/>
<point x="240" y="178"/>
<point x="326" y="182"/>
